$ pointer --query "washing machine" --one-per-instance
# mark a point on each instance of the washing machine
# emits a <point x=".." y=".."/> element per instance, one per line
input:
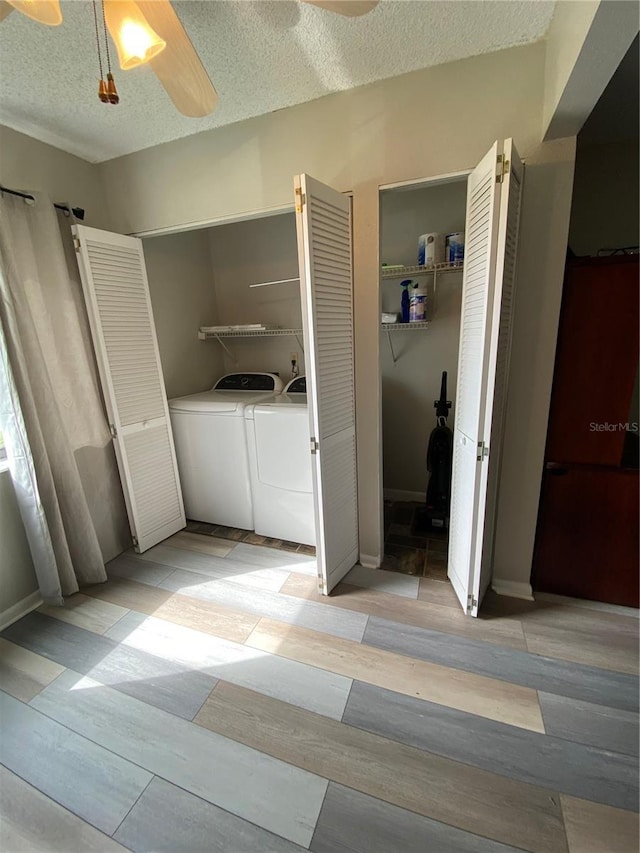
<point x="280" y="465"/>
<point x="209" y="432"/>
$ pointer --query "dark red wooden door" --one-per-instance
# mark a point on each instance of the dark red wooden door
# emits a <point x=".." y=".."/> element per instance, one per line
<point x="596" y="361"/>
<point x="588" y="534"/>
<point x="587" y="538"/>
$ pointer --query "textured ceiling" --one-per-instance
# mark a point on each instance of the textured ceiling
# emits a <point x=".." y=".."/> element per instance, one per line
<point x="261" y="57"/>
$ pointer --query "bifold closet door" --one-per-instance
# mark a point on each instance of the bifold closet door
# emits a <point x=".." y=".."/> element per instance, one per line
<point x="493" y="212"/>
<point x="116" y="292"/>
<point x="323" y="220"/>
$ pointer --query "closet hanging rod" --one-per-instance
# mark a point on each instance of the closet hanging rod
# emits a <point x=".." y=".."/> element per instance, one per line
<point x="78" y="212"/>
<point x="269" y="283"/>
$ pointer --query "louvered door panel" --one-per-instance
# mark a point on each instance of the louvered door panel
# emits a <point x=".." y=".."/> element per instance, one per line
<point x="475" y="331"/>
<point x="155" y="490"/>
<point x="462" y="493"/>
<point x="493" y="213"/>
<point x="496" y="395"/>
<point x="339" y="481"/>
<point x="324" y="248"/>
<point x="474" y="302"/>
<point x="116" y="293"/>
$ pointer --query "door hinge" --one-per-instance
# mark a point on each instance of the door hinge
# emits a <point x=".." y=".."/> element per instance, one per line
<point x="502" y="168"/>
<point x="471" y="602"/>
<point x="314" y="446"/>
<point x="483" y="451"/>
<point x="301" y="199"/>
<point x="113" y="431"/>
<point x="76" y="243"/>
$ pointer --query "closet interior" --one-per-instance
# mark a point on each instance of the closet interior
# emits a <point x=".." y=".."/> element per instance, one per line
<point x="413" y="357"/>
<point x="237" y="315"/>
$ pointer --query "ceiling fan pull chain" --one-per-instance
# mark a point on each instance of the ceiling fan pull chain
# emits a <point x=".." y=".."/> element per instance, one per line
<point x="112" y="92"/>
<point x="102" y="86"/>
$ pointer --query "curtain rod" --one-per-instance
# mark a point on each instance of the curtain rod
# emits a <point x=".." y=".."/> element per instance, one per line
<point x="78" y="212"/>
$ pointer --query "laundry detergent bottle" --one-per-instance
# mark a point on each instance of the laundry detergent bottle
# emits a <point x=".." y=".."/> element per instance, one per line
<point x="405" y="300"/>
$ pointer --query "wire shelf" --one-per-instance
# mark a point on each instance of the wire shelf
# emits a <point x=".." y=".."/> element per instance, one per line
<point x="405" y="327"/>
<point x="204" y="335"/>
<point x="418" y="270"/>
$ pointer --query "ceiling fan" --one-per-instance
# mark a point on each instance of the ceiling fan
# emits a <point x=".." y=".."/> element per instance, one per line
<point x="150" y="31"/>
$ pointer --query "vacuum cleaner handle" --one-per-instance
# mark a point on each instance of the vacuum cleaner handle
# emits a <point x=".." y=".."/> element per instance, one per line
<point x="442" y="405"/>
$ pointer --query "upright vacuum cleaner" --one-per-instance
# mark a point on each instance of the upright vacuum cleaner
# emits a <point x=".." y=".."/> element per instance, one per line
<point x="439" y="463"/>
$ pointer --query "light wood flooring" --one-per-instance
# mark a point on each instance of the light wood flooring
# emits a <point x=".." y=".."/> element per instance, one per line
<point x="207" y="698"/>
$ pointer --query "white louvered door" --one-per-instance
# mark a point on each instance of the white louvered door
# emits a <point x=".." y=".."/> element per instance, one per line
<point x="496" y="397"/>
<point x="323" y="220"/>
<point x="493" y="211"/>
<point x="116" y="292"/>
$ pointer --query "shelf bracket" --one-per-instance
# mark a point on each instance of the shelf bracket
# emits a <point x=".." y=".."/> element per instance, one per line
<point x="226" y="349"/>
<point x="435" y="294"/>
<point x="393" y="354"/>
<point x="300" y="343"/>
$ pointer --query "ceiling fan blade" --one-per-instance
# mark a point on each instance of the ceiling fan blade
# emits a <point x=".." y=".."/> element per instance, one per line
<point x="5" y="9"/>
<point x="43" y="11"/>
<point x="178" y="67"/>
<point x="349" y="8"/>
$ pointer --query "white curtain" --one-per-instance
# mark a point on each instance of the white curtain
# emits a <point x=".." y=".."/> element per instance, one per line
<point x="52" y="416"/>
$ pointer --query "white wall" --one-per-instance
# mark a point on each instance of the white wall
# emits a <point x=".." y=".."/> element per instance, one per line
<point x="358" y="140"/>
<point x="26" y="164"/>
<point x="183" y="299"/>
<point x="245" y="253"/>
<point x="412" y="383"/>
<point x="604" y="212"/>
<point x="17" y="577"/>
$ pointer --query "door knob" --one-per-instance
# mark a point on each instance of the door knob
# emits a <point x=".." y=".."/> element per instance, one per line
<point x="556" y="470"/>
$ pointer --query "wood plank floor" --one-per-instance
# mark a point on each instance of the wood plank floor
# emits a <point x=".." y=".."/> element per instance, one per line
<point x="206" y="698"/>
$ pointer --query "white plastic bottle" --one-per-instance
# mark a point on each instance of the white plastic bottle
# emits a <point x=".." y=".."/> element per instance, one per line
<point x="418" y="304"/>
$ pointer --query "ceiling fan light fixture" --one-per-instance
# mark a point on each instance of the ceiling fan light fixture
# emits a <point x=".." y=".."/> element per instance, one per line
<point x="135" y="40"/>
<point x="44" y="11"/>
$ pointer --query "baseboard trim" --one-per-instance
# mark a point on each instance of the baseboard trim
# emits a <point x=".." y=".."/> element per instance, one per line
<point x="602" y="606"/>
<point x="369" y="562"/>
<point x="17" y="611"/>
<point x="513" y="589"/>
<point x="403" y="495"/>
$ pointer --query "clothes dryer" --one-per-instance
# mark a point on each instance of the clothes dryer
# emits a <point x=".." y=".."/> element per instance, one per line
<point x="280" y="465"/>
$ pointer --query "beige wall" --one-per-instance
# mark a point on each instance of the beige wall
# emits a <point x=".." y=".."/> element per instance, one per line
<point x="246" y="253"/>
<point x="26" y="164"/>
<point x="358" y="140"/>
<point x="412" y="382"/>
<point x="541" y="259"/>
<point x="371" y="135"/>
<point x="570" y="25"/>
<point x="182" y="297"/>
<point x="17" y="577"/>
<point x="604" y="211"/>
<point x="584" y="45"/>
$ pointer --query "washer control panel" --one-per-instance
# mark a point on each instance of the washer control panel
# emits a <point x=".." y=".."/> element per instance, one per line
<point x="297" y="386"/>
<point x="249" y="382"/>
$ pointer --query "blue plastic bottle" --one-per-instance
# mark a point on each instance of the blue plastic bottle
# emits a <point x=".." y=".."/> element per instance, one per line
<point x="404" y="302"/>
